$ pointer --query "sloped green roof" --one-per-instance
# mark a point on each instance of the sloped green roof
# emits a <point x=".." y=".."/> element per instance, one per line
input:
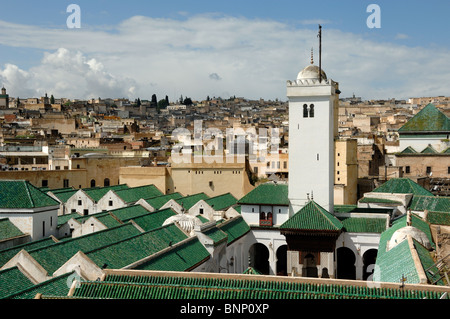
<point x="154" y="219"/>
<point x="8" y="229"/>
<point x="217" y="235"/>
<point x="363" y="225"/>
<point x="379" y="200"/>
<point x="235" y="228"/>
<point x="429" y="119"/>
<point x="439" y="218"/>
<point x="429" y="150"/>
<point x="54" y="287"/>
<point x="22" y="194"/>
<point x="312" y="217"/>
<point x="234" y="287"/>
<point x="96" y="193"/>
<point x="126" y="213"/>
<point x="428" y="263"/>
<point x="63" y="195"/>
<point x="13" y="280"/>
<point x="251" y="271"/>
<point x="221" y="202"/>
<point x="402" y="186"/>
<point x="129" y="250"/>
<point x="62" y="219"/>
<point x="188" y="201"/>
<point x="133" y="194"/>
<point x="397" y="262"/>
<point x="54" y="256"/>
<point x="7" y="254"/>
<point x="447" y="151"/>
<point x="158" y="201"/>
<point x="430" y="203"/>
<point x="409" y="150"/>
<point x="267" y="194"/>
<point x="181" y="258"/>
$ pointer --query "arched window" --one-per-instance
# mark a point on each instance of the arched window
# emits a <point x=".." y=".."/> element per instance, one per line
<point x="106" y="182"/>
<point x="262" y="216"/>
<point x="311" y="110"/>
<point x="305" y="110"/>
<point x="92" y="182"/>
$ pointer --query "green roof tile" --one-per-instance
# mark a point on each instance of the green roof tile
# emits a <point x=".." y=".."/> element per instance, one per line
<point x="429" y="150"/>
<point x="188" y="201"/>
<point x="221" y="202"/>
<point x="7" y="254"/>
<point x="402" y="186"/>
<point x="54" y="287"/>
<point x="409" y="150"/>
<point x="439" y="218"/>
<point x="363" y="225"/>
<point x="312" y="217"/>
<point x="134" y="194"/>
<point x="158" y="201"/>
<point x="13" y="280"/>
<point x="429" y="119"/>
<point x="126" y="213"/>
<point x="96" y="193"/>
<point x="54" y="256"/>
<point x="154" y="219"/>
<point x="129" y="250"/>
<point x="235" y="228"/>
<point x="430" y="203"/>
<point x="183" y="257"/>
<point x="22" y="194"/>
<point x="8" y="229"/>
<point x="267" y="194"/>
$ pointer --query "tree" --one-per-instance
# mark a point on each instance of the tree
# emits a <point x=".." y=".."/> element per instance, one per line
<point x="154" y="101"/>
<point x="167" y="100"/>
<point x="162" y="104"/>
<point x="52" y="99"/>
<point x="187" y="101"/>
<point x="138" y="102"/>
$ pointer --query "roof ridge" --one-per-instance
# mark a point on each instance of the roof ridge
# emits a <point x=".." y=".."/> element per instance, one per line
<point x="29" y="193"/>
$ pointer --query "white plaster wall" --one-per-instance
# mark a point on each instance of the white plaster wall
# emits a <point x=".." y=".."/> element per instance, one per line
<point x="86" y="203"/>
<point x="103" y="203"/>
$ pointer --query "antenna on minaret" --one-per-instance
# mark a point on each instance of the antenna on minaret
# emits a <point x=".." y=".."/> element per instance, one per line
<point x="320" y="53"/>
<point x="312" y="56"/>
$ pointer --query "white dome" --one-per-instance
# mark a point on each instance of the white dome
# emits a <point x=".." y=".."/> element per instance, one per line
<point x="311" y="72"/>
<point x="401" y="234"/>
<point x="186" y="222"/>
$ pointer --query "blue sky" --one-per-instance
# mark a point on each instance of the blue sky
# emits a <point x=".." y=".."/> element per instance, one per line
<point x="246" y="48"/>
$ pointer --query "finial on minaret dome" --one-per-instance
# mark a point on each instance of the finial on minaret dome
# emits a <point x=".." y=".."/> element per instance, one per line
<point x="312" y="56"/>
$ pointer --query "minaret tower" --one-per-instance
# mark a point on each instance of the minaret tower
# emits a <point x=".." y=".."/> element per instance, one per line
<point x="313" y="113"/>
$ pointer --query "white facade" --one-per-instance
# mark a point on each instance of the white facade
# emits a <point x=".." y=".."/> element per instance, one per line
<point x="312" y="130"/>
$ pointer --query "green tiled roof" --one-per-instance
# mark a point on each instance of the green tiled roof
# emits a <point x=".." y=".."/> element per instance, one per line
<point x="158" y="201"/>
<point x="252" y="271"/>
<point x="235" y="228"/>
<point x="234" y="287"/>
<point x="363" y="225"/>
<point x="154" y="219"/>
<point x="63" y="195"/>
<point x="181" y="258"/>
<point x="62" y="219"/>
<point x="408" y="150"/>
<point x="217" y="235"/>
<point x="188" y="201"/>
<point x="312" y="217"/>
<point x="129" y="250"/>
<point x="439" y="218"/>
<point x="402" y="186"/>
<point x="126" y="213"/>
<point x="397" y="262"/>
<point x="96" y="193"/>
<point x="13" y="280"/>
<point x="7" y="254"/>
<point x="428" y="263"/>
<point x="429" y="150"/>
<point x="221" y="202"/>
<point x="54" y="287"/>
<point x="379" y="200"/>
<point x="54" y="256"/>
<point x="8" y="229"/>
<point x="134" y="194"/>
<point x="22" y="194"/>
<point x="429" y="119"/>
<point x="267" y="194"/>
<point x="430" y="203"/>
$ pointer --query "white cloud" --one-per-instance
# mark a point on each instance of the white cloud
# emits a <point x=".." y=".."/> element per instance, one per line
<point x="254" y="58"/>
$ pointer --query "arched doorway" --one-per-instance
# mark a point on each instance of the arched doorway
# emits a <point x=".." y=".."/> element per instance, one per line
<point x="259" y="258"/>
<point x="369" y="258"/>
<point x="346" y="263"/>
<point x="282" y="260"/>
<point x="92" y="182"/>
<point x="310" y="266"/>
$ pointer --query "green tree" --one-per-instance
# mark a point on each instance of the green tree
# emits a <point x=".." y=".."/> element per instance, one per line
<point x="52" y="99"/>
<point x="162" y="104"/>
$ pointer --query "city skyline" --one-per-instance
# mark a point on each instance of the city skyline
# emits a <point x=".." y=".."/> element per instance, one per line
<point x="203" y="48"/>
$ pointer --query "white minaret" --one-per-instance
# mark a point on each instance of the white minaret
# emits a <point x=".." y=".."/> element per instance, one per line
<point x="313" y="111"/>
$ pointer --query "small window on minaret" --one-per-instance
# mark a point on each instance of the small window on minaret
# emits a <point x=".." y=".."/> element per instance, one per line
<point x="305" y="110"/>
<point x="311" y="110"/>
